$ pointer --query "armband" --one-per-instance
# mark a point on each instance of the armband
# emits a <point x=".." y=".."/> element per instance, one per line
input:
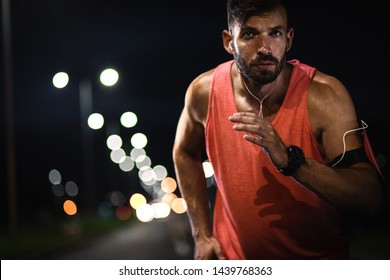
<point x="349" y="158"/>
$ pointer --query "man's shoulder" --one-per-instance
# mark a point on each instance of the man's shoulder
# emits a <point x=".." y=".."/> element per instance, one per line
<point x="202" y="82"/>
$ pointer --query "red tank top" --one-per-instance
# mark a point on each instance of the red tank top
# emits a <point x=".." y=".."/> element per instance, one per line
<point x="259" y="213"/>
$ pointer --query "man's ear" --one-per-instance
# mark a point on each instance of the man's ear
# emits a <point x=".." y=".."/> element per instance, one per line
<point x="290" y="36"/>
<point x="227" y="41"/>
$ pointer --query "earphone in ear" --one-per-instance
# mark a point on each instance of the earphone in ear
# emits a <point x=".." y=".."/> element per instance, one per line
<point x="231" y="47"/>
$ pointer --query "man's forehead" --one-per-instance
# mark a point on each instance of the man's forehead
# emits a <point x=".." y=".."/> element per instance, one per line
<point x="262" y="21"/>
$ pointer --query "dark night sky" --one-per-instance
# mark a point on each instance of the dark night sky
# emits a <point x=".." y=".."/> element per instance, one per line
<point x="158" y="48"/>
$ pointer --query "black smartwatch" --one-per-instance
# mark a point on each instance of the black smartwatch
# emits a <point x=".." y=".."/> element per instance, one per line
<point x="295" y="158"/>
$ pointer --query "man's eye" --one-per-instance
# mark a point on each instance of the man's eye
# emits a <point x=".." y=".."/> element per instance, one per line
<point x="276" y="33"/>
<point x="248" y="34"/>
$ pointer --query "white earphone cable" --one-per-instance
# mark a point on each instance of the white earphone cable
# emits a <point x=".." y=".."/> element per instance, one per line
<point x="364" y="126"/>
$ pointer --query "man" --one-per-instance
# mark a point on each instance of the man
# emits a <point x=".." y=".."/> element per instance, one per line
<point x="285" y="145"/>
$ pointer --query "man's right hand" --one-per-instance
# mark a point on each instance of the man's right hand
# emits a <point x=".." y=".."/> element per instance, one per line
<point x="208" y="249"/>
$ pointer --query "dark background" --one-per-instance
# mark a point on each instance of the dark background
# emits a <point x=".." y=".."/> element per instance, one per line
<point x="157" y="48"/>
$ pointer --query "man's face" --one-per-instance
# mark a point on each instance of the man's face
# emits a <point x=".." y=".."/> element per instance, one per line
<point x="260" y="44"/>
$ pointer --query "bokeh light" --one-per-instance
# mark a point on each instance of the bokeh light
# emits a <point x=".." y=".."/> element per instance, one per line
<point x="71" y="188"/>
<point x="109" y="77"/>
<point x="179" y="205"/>
<point x="145" y="213"/>
<point x="146" y="175"/>
<point x="168" y="198"/>
<point x="139" y="140"/>
<point x="135" y="153"/>
<point x="114" y="142"/>
<point x="95" y="121"/>
<point x="55" y="177"/>
<point x="70" y="207"/>
<point x="116" y="198"/>
<point x="118" y="156"/>
<point x="123" y="213"/>
<point x="127" y="164"/>
<point x="168" y="185"/>
<point x="161" y="210"/>
<point x="128" y="119"/>
<point x="137" y="200"/>
<point x="106" y="209"/>
<point x="160" y="172"/>
<point x="143" y="161"/>
<point x="60" y="80"/>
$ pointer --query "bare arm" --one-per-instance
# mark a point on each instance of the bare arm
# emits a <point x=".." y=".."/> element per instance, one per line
<point x="331" y="110"/>
<point x="187" y="157"/>
<point x="332" y="113"/>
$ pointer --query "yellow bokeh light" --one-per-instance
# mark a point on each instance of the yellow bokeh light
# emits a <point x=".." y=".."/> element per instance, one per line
<point x="168" y="185"/>
<point x="179" y="205"/>
<point x="70" y="207"/>
<point x="136" y="200"/>
<point x="168" y="198"/>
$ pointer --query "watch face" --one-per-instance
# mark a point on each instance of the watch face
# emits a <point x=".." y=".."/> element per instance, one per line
<point x="295" y="158"/>
<point x="296" y="154"/>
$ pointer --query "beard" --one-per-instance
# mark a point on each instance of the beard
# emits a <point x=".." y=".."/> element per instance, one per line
<point x="259" y="77"/>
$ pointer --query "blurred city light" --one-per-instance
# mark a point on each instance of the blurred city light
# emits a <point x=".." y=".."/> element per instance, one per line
<point x="160" y="172"/>
<point x="109" y="77"/>
<point x="55" y="177"/>
<point x="146" y="175"/>
<point x="168" y="185"/>
<point x="95" y="121"/>
<point x="60" y="80"/>
<point x="116" y="198"/>
<point x="168" y="198"/>
<point x="161" y="210"/>
<point x="123" y="213"/>
<point x="145" y="213"/>
<point x="106" y="209"/>
<point x="135" y="153"/>
<point x="139" y="140"/>
<point x="137" y="200"/>
<point x="118" y="156"/>
<point x="128" y="119"/>
<point x="143" y="161"/>
<point x="114" y="142"/>
<point x="179" y="205"/>
<point x="127" y="164"/>
<point x="71" y="188"/>
<point x="70" y="207"/>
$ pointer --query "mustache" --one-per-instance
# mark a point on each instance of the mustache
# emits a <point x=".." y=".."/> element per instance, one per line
<point x="262" y="59"/>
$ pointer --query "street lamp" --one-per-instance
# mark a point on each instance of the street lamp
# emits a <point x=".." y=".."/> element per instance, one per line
<point x="109" y="77"/>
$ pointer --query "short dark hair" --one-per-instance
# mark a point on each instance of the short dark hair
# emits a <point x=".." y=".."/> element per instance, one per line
<point x="238" y="11"/>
